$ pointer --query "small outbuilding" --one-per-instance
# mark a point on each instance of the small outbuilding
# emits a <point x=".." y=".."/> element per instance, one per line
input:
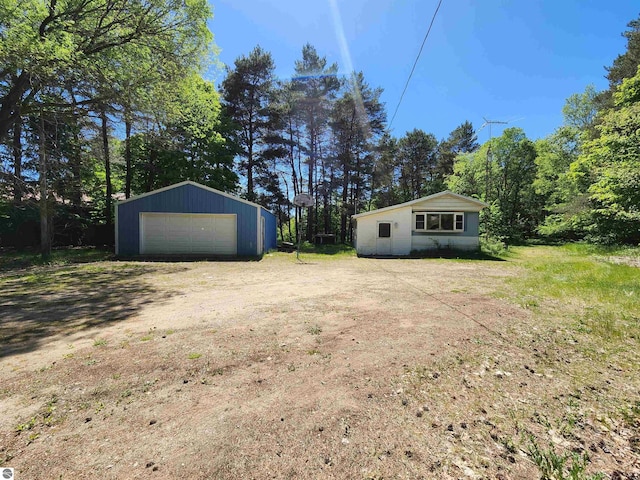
<point x="444" y="220"/>
<point x="192" y="219"/>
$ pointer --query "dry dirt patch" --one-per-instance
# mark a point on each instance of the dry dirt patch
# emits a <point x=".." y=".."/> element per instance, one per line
<point x="270" y="369"/>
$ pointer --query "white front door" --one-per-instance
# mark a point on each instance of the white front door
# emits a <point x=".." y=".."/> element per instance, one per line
<point x="384" y="238"/>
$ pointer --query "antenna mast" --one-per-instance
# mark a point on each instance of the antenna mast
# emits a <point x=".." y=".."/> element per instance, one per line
<point x="488" y="161"/>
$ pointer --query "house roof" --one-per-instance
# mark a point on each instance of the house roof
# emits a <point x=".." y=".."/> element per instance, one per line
<point x="195" y="184"/>
<point x="420" y="200"/>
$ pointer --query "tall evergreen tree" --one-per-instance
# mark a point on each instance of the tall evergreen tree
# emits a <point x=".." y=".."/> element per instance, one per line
<point x="248" y="91"/>
<point x="463" y="139"/>
<point x="317" y="84"/>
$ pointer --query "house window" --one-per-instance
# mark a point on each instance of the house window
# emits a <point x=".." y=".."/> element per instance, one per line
<point x="459" y="221"/>
<point x="438" y="221"/>
<point x="384" y="230"/>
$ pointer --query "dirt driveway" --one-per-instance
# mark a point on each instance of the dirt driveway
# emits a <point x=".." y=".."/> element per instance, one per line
<point x="269" y="369"/>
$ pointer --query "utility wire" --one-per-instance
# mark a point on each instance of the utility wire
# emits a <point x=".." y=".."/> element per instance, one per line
<point x="415" y="63"/>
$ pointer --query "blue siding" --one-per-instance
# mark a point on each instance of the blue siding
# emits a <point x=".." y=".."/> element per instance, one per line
<point x="270" y="234"/>
<point x="187" y="199"/>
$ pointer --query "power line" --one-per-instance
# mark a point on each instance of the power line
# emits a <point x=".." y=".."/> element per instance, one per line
<point x="415" y="63"/>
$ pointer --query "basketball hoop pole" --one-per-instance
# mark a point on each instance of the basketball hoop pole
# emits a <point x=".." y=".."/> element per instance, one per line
<point x="302" y="200"/>
<point x="299" y="235"/>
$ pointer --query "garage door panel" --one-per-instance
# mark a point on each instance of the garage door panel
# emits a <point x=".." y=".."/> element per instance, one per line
<point x="179" y="233"/>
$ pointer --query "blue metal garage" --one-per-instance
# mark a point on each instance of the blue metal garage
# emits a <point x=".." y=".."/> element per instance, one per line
<point x="191" y="219"/>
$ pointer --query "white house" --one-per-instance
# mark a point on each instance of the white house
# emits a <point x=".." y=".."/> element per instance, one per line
<point x="442" y="220"/>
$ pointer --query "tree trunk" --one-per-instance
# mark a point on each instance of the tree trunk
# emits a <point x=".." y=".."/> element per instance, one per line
<point x="17" y="160"/>
<point x="127" y="156"/>
<point x="45" y="238"/>
<point x="345" y="198"/>
<point x="107" y="167"/>
<point x="151" y="168"/>
<point x="76" y="166"/>
<point x="312" y="167"/>
<point x="10" y="103"/>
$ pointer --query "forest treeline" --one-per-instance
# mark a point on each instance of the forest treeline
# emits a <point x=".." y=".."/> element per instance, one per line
<point x="104" y="99"/>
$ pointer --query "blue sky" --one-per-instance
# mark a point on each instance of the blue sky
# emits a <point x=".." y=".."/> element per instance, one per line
<point x="508" y="60"/>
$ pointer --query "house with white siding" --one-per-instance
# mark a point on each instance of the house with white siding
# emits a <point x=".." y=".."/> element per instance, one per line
<point x="444" y="220"/>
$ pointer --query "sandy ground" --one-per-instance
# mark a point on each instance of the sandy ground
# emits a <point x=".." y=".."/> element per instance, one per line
<point x="269" y="369"/>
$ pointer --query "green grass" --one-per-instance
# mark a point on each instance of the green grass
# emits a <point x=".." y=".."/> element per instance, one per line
<point x="560" y="466"/>
<point x="603" y="297"/>
<point x="15" y="260"/>
<point x="324" y="252"/>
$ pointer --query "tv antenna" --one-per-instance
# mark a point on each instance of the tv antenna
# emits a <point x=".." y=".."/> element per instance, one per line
<point x="486" y="182"/>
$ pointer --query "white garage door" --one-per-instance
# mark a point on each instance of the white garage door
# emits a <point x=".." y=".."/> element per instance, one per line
<point x="188" y="233"/>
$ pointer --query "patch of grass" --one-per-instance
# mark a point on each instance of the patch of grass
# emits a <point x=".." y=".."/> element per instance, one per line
<point x="603" y="297"/>
<point x="194" y="356"/>
<point x="560" y="466"/>
<point x="309" y="251"/>
<point x="15" y="260"/>
<point x="313" y="351"/>
<point x="99" y="342"/>
<point x="146" y="338"/>
<point x="455" y="254"/>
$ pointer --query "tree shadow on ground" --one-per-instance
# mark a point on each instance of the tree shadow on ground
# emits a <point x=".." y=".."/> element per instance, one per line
<point x="42" y="302"/>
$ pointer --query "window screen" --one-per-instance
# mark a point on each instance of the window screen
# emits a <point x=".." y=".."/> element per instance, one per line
<point x="384" y="230"/>
<point x="419" y="222"/>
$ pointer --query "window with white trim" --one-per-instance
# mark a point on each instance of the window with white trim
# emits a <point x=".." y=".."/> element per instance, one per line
<point x="438" y="222"/>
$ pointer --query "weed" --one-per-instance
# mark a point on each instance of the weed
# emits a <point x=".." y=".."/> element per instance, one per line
<point x="313" y="351"/>
<point x="126" y="393"/>
<point x="291" y="367"/>
<point x="99" y="342"/>
<point x="194" y="356"/>
<point x="68" y="356"/>
<point x="315" y="330"/>
<point x="22" y="427"/>
<point x="146" y="338"/>
<point x="554" y="466"/>
<point x="631" y="414"/>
